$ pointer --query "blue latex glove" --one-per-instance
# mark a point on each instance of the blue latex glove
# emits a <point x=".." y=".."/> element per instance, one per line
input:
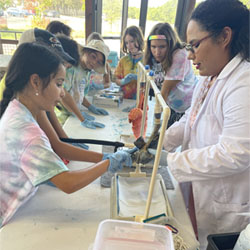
<point x="163" y="158"/>
<point x="91" y="124"/>
<point x="97" y="111"/>
<point x="132" y="150"/>
<point x="97" y="86"/>
<point x="50" y="184"/>
<point x="117" y="160"/>
<point x="87" y="116"/>
<point x="128" y="78"/>
<point x="128" y="109"/>
<point x="80" y="145"/>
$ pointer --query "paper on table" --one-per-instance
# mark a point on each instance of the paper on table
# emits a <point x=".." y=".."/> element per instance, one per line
<point x="133" y="194"/>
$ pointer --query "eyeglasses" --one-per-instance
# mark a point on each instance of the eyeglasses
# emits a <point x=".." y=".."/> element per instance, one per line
<point x="190" y="47"/>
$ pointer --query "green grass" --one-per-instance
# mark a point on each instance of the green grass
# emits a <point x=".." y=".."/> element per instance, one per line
<point x="7" y="35"/>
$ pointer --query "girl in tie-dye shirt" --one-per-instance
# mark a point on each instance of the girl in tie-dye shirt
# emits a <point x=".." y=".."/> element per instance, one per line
<point x="34" y="84"/>
<point x="126" y="71"/>
<point x="173" y="71"/>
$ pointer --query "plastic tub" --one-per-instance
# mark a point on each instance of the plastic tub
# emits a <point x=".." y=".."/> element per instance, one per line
<point x="121" y="210"/>
<point x="124" y="235"/>
<point x="225" y="241"/>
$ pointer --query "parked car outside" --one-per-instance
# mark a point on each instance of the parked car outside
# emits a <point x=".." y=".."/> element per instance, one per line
<point x="30" y="12"/>
<point x="1" y="12"/>
<point x="26" y="12"/>
<point x="14" y="12"/>
<point x="52" y="13"/>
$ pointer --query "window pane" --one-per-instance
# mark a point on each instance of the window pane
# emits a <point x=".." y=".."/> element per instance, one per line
<point x="160" y="11"/>
<point x="112" y="22"/>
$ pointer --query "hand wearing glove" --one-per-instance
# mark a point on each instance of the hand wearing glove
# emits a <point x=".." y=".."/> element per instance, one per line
<point x="163" y="158"/>
<point x="132" y="150"/>
<point x="117" y="160"/>
<point x="91" y="124"/>
<point x="97" y="86"/>
<point x="128" y="109"/>
<point x="97" y="111"/>
<point x="128" y="78"/>
<point x="87" y="116"/>
<point x="80" y="145"/>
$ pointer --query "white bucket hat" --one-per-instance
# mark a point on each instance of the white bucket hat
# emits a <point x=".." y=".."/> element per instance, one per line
<point x="99" y="46"/>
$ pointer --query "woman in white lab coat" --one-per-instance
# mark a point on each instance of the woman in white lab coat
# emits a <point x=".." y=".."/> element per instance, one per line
<point x="215" y="131"/>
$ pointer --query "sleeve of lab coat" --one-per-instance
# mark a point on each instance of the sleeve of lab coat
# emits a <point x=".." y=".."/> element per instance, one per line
<point x="231" y="154"/>
<point x="174" y="134"/>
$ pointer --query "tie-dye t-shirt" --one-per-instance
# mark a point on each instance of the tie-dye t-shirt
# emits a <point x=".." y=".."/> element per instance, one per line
<point x="77" y="83"/>
<point x="179" y="98"/>
<point x="26" y="159"/>
<point x="125" y="66"/>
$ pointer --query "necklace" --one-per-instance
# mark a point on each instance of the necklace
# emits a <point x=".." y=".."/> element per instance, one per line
<point x="135" y="55"/>
<point x="200" y="98"/>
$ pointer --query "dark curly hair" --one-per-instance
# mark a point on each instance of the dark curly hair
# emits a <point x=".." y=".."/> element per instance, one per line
<point x="70" y="46"/>
<point x="56" y="27"/>
<point x="214" y="15"/>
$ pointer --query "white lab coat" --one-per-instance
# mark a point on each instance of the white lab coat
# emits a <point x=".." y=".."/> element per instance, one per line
<point x="216" y="152"/>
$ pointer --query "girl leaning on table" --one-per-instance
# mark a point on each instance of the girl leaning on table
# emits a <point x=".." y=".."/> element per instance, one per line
<point x="70" y="104"/>
<point x="63" y="34"/>
<point x="98" y="81"/>
<point x="91" y="57"/>
<point x="34" y="83"/>
<point x="173" y="72"/>
<point x="215" y="132"/>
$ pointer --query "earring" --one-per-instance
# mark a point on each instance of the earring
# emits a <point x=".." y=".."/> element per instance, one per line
<point x="37" y="94"/>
